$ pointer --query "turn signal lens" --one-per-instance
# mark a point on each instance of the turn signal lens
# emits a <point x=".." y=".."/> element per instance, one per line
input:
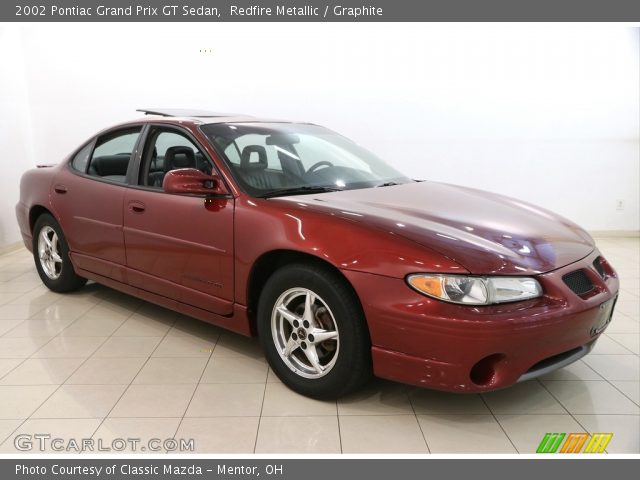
<point x="430" y="285"/>
<point x="475" y="290"/>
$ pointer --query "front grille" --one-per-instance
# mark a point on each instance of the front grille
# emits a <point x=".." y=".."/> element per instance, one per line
<point x="598" y="266"/>
<point x="578" y="281"/>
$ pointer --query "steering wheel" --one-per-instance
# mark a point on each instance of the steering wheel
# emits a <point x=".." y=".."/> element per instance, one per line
<point x="319" y="164"/>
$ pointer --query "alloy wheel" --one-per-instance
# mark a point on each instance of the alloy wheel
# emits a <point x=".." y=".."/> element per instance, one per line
<point x="49" y="252"/>
<point x="305" y="333"/>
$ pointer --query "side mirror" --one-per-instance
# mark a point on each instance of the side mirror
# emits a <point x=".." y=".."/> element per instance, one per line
<point x="192" y="181"/>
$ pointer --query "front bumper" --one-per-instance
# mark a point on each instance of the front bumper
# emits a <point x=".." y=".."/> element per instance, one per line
<point x="426" y="342"/>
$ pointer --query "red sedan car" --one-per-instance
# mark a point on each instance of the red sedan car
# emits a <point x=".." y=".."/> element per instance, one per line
<point x="342" y="265"/>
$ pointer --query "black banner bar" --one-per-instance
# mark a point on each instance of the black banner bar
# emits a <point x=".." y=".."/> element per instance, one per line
<point x="320" y="11"/>
<point x="319" y="469"/>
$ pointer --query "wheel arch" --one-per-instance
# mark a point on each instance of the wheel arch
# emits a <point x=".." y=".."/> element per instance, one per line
<point x="35" y="212"/>
<point x="269" y="262"/>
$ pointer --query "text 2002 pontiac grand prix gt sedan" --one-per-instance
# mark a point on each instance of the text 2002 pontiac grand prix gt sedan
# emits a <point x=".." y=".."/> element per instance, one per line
<point x="343" y="266"/>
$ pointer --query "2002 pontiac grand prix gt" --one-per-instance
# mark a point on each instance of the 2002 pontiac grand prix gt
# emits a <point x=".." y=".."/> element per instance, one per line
<point x="341" y="265"/>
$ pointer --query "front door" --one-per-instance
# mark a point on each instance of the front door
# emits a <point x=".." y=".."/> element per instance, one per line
<point x="178" y="246"/>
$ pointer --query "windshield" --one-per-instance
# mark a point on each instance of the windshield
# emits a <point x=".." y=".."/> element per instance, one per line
<point x="272" y="159"/>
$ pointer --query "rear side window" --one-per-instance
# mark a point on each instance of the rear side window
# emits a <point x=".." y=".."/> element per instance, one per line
<point x="112" y="153"/>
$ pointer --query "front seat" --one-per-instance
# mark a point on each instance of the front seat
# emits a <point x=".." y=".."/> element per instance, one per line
<point x="254" y="172"/>
<point x="179" y="157"/>
<point x="174" y="158"/>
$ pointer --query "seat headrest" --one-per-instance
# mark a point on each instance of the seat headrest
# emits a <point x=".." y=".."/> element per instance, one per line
<point x="111" y="164"/>
<point x="245" y="160"/>
<point x="179" y="157"/>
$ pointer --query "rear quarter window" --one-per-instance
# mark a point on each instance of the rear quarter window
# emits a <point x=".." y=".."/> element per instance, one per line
<point x="81" y="159"/>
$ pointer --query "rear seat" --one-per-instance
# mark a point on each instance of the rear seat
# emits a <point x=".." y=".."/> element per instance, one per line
<point x="111" y="167"/>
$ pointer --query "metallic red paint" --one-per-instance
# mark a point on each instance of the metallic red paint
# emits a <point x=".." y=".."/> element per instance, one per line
<point x="191" y="181"/>
<point x="179" y="249"/>
<point x="485" y="232"/>
<point x="197" y="256"/>
<point x="426" y="342"/>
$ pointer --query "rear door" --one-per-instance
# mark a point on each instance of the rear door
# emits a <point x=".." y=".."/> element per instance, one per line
<point x="178" y="246"/>
<point x="88" y="200"/>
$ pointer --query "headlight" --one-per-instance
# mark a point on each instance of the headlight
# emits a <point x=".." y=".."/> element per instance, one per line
<point x="475" y="290"/>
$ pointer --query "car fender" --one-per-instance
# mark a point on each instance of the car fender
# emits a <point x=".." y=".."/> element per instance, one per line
<point x="266" y="225"/>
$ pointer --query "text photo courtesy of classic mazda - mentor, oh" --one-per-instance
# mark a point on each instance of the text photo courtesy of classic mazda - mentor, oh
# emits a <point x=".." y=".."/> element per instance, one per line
<point x="344" y="267"/>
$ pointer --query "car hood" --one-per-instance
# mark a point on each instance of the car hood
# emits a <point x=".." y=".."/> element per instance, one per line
<point x="484" y="232"/>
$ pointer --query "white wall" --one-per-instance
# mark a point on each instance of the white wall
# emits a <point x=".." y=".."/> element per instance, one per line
<point x="16" y="152"/>
<point x="546" y="113"/>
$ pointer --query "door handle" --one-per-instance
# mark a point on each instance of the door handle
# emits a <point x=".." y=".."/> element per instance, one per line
<point x="137" y="207"/>
<point x="60" y="189"/>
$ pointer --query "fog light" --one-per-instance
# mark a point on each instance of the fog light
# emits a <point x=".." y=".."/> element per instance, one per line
<point x="484" y="372"/>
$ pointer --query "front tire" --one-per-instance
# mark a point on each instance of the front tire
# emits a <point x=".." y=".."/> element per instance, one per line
<point x="313" y="332"/>
<point x="51" y="254"/>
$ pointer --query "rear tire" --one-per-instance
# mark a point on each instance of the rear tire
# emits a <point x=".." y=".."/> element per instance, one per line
<point x="51" y="254"/>
<point x="313" y="331"/>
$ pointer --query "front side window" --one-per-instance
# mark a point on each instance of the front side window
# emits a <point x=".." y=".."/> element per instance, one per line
<point x="168" y="150"/>
<point x="272" y="159"/>
<point x="112" y="154"/>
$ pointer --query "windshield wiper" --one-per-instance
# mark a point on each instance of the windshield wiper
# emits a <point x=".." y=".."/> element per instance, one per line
<point x="387" y="184"/>
<point x="281" y="192"/>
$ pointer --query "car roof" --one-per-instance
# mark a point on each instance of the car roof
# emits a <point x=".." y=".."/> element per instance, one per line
<point x="201" y="116"/>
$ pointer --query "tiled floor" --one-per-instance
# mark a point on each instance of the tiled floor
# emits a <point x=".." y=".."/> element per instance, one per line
<point x="102" y="365"/>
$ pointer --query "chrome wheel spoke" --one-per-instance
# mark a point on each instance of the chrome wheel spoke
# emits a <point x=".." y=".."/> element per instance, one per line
<point x="288" y="315"/>
<point x="55" y="256"/>
<point x="290" y="347"/>
<point x="320" y="336"/>
<point x="309" y="300"/>
<point x="44" y="237"/>
<point x="312" y="355"/>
